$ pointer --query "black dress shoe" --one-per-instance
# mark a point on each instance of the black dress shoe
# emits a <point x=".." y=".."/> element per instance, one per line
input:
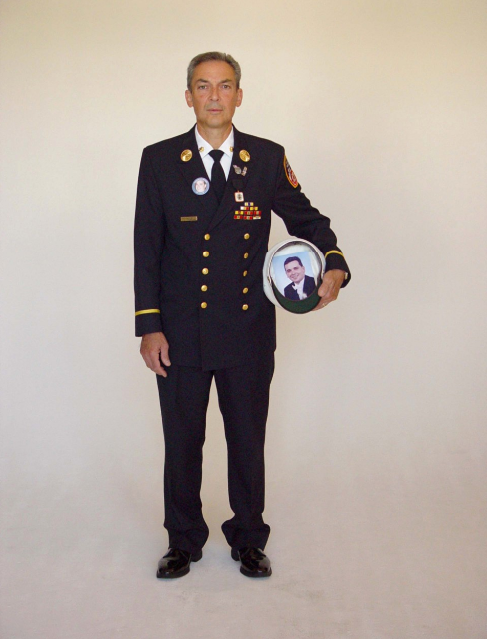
<point x="253" y="562"/>
<point x="175" y="563"/>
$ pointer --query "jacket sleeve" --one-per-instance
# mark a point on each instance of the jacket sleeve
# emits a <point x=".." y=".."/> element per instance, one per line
<point x="148" y="245"/>
<point x="304" y="220"/>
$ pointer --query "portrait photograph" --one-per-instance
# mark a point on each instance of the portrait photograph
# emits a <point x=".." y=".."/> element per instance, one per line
<point x="243" y="345"/>
<point x="290" y="275"/>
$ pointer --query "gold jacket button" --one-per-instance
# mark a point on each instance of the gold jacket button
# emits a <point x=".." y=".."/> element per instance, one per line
<point x="245" y="307"/>
<point x="204" y="287"/>
<point x="245" y="273"/>
<point x="246" y="290"/>
<point x="204" y="271"/>
<point x="207" y="236"/>
<point x="246" y="256"/>
<point x="246" y="236"/>
<point x="204" y="304"/>
<point x="205" y="253"/>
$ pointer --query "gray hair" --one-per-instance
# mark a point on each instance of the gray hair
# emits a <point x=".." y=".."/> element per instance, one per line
<point x="213" y="55"/>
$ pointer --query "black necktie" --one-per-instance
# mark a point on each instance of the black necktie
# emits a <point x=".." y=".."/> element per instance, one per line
<point x="218" y="180"/>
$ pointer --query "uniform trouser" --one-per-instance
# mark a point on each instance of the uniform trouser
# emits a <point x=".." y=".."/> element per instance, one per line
<point x="243" y="397"/>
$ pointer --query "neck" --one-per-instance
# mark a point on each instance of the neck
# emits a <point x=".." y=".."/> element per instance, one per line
<point x="215" y="137"/>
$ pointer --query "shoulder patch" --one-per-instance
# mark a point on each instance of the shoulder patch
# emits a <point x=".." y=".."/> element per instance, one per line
<point x="293" y="180"/>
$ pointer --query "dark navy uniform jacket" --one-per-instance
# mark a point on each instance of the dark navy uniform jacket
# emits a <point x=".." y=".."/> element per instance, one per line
<point x="198" y="265"/>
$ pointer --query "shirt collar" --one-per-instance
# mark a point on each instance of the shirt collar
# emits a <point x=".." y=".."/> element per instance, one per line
<point x="226" y="147"/>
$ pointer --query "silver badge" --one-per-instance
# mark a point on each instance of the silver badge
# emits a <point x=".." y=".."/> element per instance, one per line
<point x="240" y="171"/>
<point x="201" y="186"/>
<point x="239" y="196"/>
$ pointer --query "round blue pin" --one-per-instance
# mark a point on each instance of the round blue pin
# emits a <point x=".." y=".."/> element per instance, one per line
<point x="201" y="186"/>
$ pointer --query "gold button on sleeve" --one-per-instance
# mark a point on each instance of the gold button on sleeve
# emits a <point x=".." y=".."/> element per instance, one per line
<point x="245" y="307"/>
<point x="204" y="287"/>
<point x="204" y="304"/>
<point x="205" y="253"/>
<point x="246" y="290"/>
<point x="204" y="271"/>
<point x="207" y="236"/>
<point x="245" y="273"/>
<point x="246" y="256"/>
<point x="246" y="236"/>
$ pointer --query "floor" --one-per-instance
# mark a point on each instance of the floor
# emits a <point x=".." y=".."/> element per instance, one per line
<point x="356" y="552"/>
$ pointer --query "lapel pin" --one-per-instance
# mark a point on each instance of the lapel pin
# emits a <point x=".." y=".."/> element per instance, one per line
<point x="240" y="171"/>
<point x="200" y="186"/>
<point x="186" y="155"/>
<point x="244" y="155"/>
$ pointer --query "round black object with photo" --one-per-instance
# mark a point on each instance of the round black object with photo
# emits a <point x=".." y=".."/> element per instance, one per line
<point x="293" y="272"/>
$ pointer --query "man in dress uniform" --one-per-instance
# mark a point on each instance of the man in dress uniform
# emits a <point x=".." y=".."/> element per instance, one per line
<point x="202" y="222"/>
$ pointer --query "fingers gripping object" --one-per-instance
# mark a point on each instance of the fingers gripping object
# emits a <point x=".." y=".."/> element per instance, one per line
<point x="293" y="272"/>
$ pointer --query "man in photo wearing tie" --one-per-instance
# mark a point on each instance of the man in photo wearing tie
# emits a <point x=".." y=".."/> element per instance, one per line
<point x="202" y="223"/>
<point x="302" y="284"/>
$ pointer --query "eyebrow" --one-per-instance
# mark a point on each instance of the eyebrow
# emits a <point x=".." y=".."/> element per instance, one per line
<point x="219" y="82"/>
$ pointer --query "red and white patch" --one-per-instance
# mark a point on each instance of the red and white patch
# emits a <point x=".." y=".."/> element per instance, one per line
<point x="293" y="180"/>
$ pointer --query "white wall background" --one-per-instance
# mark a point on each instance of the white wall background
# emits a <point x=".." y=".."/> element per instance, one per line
<point x="376" y="446"/>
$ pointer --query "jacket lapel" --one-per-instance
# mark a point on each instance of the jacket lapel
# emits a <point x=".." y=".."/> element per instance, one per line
<point x="194" y="169"/>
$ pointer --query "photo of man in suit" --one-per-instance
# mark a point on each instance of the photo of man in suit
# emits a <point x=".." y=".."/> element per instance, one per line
<point x="301" y="285"/>
<point x="200" y="306"/>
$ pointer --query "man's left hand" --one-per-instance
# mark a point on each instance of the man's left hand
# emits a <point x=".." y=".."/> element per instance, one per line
<point x="330" y="287"/>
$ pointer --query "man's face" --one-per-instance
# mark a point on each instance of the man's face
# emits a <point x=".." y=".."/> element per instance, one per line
<point x="214" y="95"/>
<point x="295" y="271"/>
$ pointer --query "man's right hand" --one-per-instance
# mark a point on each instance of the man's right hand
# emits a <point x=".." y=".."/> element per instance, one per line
<point x="155" y="349"/>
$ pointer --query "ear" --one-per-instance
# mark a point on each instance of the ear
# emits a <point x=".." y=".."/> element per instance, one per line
<point x="189" y="98"/>
<point x="239" y="97"/>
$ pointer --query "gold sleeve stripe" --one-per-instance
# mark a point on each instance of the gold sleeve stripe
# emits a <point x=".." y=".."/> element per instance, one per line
<point x="149" y="310"/>
<point x="326" y="254"/>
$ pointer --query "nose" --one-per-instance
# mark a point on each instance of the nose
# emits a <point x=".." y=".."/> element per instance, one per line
<point x="214" y="94"/>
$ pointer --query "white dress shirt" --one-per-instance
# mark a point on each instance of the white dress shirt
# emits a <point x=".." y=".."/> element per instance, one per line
<point x="299" y="289"/>
<point x="205" y="148"/>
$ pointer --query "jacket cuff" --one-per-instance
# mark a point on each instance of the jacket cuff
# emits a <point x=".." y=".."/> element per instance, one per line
<point x="148" y="321"/>
<point x="335" y="259"/>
